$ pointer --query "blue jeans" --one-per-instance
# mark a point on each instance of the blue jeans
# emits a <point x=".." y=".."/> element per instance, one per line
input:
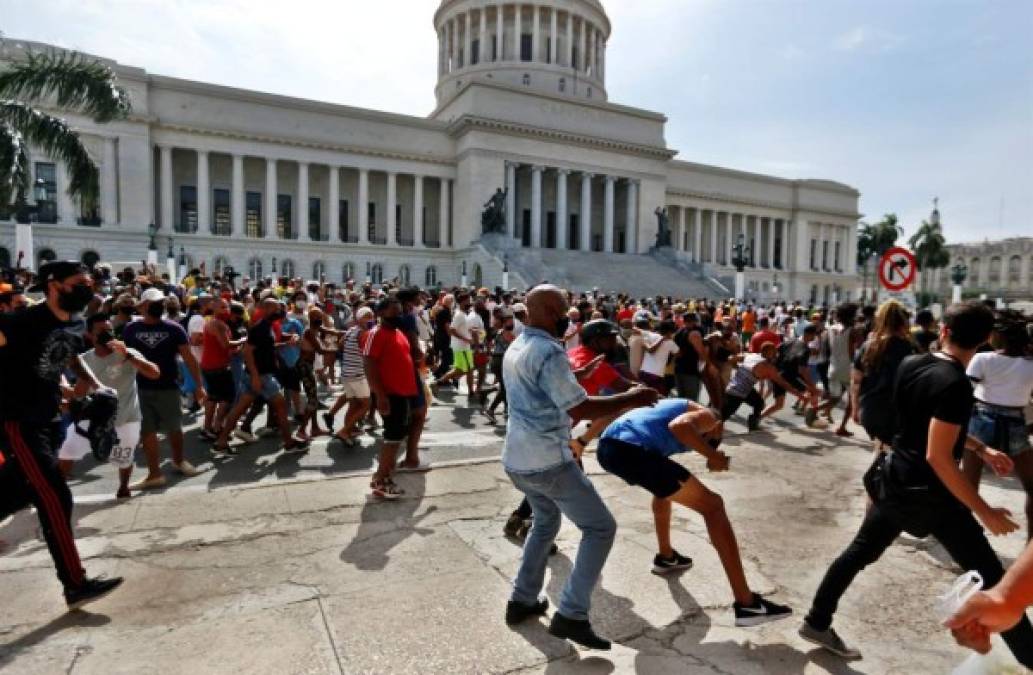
<point x="563" y="490"/>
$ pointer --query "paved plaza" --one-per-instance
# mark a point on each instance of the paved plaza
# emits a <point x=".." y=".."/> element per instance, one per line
<point x="270" y="564"/>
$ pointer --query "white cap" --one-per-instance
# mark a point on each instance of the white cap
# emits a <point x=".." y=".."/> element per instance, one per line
<point x="519" y="307"/>
<point x="152" y="295"/>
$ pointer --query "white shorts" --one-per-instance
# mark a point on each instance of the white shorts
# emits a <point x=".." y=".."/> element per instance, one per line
<point x="357" y="388"/>
<point x="76" y="447"/>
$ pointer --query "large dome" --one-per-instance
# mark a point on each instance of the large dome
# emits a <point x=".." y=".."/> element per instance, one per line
<point x="553" y="46"/>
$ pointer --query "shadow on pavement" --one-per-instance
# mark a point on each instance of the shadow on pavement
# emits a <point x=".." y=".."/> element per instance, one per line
<point x="383" y="525"/>
<point x="78" y="619"/>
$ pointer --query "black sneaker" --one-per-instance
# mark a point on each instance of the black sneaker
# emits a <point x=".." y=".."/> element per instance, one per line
<point x="512" y="526"/>
<point x="90" y="590"/>
<point x="328" y="420"/>
<point x="753" y="422"/>
<point x="577" y="630"/>
<point x="518" y="611"/>
<point x="675" y="563"/>
<point x="761" y="611"/>
<point x="830" y="640"/>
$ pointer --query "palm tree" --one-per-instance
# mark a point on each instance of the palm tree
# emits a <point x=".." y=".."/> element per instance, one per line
<point x="875" y="240"/>
<point x="71" y="82"/>
<point x="929" y="245"/>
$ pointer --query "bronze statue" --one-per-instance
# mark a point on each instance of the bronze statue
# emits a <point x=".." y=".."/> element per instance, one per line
<point x="493" y="218"/>
<point x="663" y="229"/>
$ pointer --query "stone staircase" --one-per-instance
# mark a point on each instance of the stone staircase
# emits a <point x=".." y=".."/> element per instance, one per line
<point x="658" y="272"/>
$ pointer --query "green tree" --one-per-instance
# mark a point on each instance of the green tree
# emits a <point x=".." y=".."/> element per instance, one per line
<point x="873" y="240"/>
<point x="930" y="248"/>
<point x="65" y="80"/>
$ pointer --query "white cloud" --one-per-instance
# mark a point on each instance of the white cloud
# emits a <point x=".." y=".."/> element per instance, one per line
<point x="868" y="39"/>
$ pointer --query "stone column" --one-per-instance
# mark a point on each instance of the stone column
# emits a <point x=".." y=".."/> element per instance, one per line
<point x="589" y="59"/>
<point x="269" y="219"/>
<point x="302" y="207"/>
<point x="362" y="207"/>
<point x="392" y="201"/>
<point x="482" y="49"/>
<point x="570" y="40"/>
<point x="333" y="209"/>
<point x="168" y="218"/>
<point x="786" y="226"/>
<point x="697" y="251"/>
<point x="553" y="35"/>
<point x="682" y="224"/>
<point x="511" y="169"/>
<point x="631" y="226"/>
<point x="454" y="47"/>
<point x="536" y="33"/>
<point x="500" y="32"/>
<point x="108" y="184"/>
<point x="585" y="218"/>
<point x="444" y="214"/>
<point x="442" y="41"/>
<point x="602" y="59"/>
<point x="417" y="210"/>
<point x="755" y="232"/>
<point x="772" y="227"/>
<point x="204" y="194"/>
<point x="237" y="197"/>
<point x="562" y="219"/>
<point x="536" y="206"/>
<point x="581" y="46"/>
<point x="517" y="30"/>
<point x="713" y="237"/>
<point x="608" y="197"/>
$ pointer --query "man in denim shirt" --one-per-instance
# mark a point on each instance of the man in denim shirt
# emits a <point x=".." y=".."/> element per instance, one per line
<point x="543" y="396"/>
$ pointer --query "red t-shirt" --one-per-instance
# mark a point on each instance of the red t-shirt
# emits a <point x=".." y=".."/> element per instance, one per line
<point x="763" y="336"/>
<point x="389" y="349"/>
<point x="603" y="376"/>
<point x="625" y="314"/>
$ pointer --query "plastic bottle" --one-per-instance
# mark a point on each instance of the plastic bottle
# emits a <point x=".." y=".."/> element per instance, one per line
<point x="999" y="660"/>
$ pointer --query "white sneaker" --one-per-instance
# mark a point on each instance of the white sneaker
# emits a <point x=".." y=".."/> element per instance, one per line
<point x="245" y="436"/>
<point x="187" y="469"/>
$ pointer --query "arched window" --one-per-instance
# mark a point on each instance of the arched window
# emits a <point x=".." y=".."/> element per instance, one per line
<point x="973" y="272"/>
<point x="348" y="271"/>
<point x="377" y="274"/>
<point x="318" y="270"/>
<point x="45" y="255"/>
<point x="90" y="258"/>
<point x="995" y="271"/>
<point x="404" y="275"/>
<point x="219" y="265"/>
<point x="527" y="79"/>
<point x="431" y="276"/>
<point x="287" y="268"/>
<point x="5" y="258"/>
<point x="478" y="275"/>
<point x="254" y="268"/>
<point x="1014" y="270"/>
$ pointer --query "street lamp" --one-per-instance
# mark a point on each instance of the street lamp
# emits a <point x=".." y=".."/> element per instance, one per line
<point x="24" y="212"/>
<point x="274" y="266"/>
<point x="958" y="274"/>
<point x="462" y="279"/>
<point x="740" y="258"/>
<point x="170" y="262"/>
<point x="182" y="263"/>
<point x="152" y="245"/>
<point x="505" y="272"/>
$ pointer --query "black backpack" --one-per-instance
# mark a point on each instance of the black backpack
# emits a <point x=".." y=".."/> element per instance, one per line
<point x="875" y="398"/>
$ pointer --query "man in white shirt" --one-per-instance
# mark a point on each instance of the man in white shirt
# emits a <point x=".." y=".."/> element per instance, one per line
<point x="462" y="343"/>
<point x="660" y="347"/>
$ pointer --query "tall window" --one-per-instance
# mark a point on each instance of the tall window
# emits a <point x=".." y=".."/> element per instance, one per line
<point x="319" y="270"/>
<point x="574" y="233"/>
<point x="404" y="275"/>
<point x="577" y="59"/>
<point x="348" y="271"/>
<point x="219" y="265"/>
<point x="47" y="172"/>
<point x="221" y="224"/>
<point x="525" y="47"/>
<point x="187" y="208"/>
<point x="475" y="52"/>
<point x="284" y="222"/>
<point x="342" y="215"/>
<point x="825" y="256"/>
<point x="494" y="47"/>
<point x="371" y="222"/>
<point x="253" y="214"/>
<point x="814" y="255"/>
<point x="431" y="276"/>
<point x="836" y="258"/>
<point x="548" y="50"/>
<point x="254" y="268"/>
<point x="287" y="268"/>
<point x="398" y="224"/>
<point x="314" y="218"/>
<point x="377" y="274"/>
<point x="777" y="262"/>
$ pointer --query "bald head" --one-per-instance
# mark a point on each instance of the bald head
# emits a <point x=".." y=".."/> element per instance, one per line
<point x="545" y="305"/>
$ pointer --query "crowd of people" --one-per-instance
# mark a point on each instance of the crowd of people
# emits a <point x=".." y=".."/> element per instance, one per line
<point x="645" y="378"/>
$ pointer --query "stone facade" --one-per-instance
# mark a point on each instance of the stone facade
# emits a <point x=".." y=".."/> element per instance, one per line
<point x="1000" y="269"/>
<point x="269" y="183"/>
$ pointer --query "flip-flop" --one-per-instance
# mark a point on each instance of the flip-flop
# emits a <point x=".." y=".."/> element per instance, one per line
<point x="148" y="484"/>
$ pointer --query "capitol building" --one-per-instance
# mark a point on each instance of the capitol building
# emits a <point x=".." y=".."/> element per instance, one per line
<point x="273" y="185"/>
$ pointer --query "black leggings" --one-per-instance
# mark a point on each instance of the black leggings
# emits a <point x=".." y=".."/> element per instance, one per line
<point x="955" y="528"/>
<point x="732" y="403"/>
<point x="500" y="395"/>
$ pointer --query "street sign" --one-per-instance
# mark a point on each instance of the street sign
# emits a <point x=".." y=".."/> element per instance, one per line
<point x="897" y="269"/>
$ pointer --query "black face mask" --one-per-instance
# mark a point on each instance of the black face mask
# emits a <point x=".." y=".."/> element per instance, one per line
<point x="75" y="300"/>
<point x="562" y="324"/>
<point x="393" y="321"/>
<point x="155" y="310"/>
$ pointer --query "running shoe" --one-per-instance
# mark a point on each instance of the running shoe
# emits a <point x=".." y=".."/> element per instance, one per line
<point x="207" y="435"/>
<point x="677" y="562"/>
<point x="386" y="489"/>
<point x="513" y="525"/>
<point x="187" y="469"/>
<point x="266" y="432"/>
<point x="328" y="420"/>
<point x="753" y="422"/>
<point x="90" y="590"/>
<point x="830" y="640"/>
<point x="245" y="435"/>
<point x="760" y="612"/>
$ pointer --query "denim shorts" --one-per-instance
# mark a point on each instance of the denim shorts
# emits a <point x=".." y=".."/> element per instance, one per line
<point x="1000" y="428"/>
<point x="270" y="388"/>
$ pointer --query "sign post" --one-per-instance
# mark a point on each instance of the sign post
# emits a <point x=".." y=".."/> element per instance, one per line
<point x="897" y="272"/>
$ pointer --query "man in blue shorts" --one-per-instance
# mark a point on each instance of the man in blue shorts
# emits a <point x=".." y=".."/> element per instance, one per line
<point x="638" y="446"/>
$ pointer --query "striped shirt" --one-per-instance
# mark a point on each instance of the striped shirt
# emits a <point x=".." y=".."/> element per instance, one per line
<point x="351" y="354"/>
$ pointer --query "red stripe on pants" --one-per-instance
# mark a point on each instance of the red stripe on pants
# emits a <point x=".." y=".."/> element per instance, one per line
<point x="56" y="515"/>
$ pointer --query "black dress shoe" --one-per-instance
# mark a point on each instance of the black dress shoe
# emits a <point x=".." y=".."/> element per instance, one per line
<point x="577" y="630"/>
<point x="90" y="590"/>
<point x="518" y="611"/>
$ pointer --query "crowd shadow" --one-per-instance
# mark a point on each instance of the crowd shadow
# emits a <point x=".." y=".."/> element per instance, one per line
<point x="69" y="620"/>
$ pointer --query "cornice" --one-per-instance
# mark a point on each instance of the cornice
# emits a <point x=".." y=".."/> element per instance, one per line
<point x="738" y="199"/>
<point x="298" y="143"/>
<point x="468" y="123"/>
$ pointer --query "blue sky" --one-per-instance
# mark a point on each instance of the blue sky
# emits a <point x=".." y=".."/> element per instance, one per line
<point x="905" y="100"/>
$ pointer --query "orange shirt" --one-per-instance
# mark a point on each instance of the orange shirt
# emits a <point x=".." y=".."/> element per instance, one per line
<point x="749" y="322"/>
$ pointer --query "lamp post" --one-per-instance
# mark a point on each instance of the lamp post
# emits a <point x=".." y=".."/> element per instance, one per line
<point x="182" y="262"/>
<point x="274" y="267"/>
<point x="24" y="214"/>
<point x="462" y="278"/>
<point x="369" y="272"/>
<point x="740" y="258"/>
<point x="505" y="272"/>
<point x="152" y="246"/>
<point x="170" y="263"/>
<point x="958" y="274"/>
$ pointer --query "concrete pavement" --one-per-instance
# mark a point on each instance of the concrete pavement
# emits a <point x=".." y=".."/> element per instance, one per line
<point x="306" y="575"/>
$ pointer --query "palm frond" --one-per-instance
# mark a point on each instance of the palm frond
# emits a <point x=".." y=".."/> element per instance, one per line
<point x="76" y="83"/>
<point x="53" y="136"/>
<point x="14" y="164"/>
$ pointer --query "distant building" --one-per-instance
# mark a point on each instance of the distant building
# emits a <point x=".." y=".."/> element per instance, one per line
<point x="1000" y="269"/>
